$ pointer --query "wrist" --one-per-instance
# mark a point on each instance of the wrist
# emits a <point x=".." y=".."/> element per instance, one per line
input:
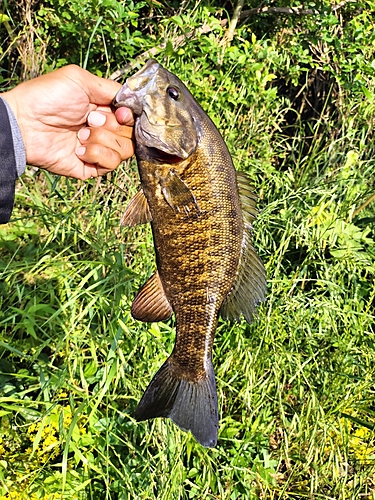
<point x="10" y="98"/>
<point x="17" y="136"/>
<point x="11" y="101"/>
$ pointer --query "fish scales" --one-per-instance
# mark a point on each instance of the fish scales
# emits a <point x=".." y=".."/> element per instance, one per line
<point x="201" y="215"/>
<point x="199" y="256"/>
<point x="200" y="262"/>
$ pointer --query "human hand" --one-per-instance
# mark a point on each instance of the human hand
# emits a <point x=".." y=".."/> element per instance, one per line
<point x="67" y="124"/>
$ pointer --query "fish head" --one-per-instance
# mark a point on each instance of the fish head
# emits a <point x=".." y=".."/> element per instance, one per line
<point x="166" y="112"/>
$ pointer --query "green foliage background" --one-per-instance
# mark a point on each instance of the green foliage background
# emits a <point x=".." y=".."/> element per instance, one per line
<point x="293" y="96"/>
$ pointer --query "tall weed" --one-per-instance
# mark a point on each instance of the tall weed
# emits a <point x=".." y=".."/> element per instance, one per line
<point x="294" y="99"/>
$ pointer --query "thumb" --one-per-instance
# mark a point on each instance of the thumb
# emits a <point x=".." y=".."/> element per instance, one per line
<point x="99" y="90"/>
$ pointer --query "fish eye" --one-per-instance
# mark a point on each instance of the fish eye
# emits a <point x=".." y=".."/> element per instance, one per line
<point x="173" y="93"/>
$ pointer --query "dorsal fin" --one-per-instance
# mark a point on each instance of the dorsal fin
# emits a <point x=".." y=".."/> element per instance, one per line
<point x="249" y="288"/>
<point x="151" y="303"/>
<point x="247" y="198"/>
<point x="137" y="212"/>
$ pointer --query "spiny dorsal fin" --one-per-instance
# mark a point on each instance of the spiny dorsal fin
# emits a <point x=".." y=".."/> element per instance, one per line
<point x="247" y="198"/>
<point x="137" y="212"/>
<point x="249" y="288"/>
<point x="151" y="304"/>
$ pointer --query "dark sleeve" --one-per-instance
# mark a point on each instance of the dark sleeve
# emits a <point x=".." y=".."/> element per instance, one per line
<point x="8" y="166"/>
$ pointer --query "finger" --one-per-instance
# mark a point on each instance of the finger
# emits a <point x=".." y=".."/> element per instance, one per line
<point x="109" y="121"/>
<point x="124" y="116"/>
<point x="105" y="157"/>
<point x="112" y="140"/>
<point x="88" y="171"/>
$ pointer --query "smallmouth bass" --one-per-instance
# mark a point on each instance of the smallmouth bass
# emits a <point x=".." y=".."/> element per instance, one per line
<point x="201" y="211"/>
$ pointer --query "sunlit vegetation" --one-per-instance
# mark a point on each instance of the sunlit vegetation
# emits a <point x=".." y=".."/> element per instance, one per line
<point x="293" y="95"/>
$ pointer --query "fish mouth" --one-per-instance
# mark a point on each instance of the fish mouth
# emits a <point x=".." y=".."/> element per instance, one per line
<point x="136" y="87"/>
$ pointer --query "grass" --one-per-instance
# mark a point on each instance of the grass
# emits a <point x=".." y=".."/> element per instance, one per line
<point x="296" y="388"/>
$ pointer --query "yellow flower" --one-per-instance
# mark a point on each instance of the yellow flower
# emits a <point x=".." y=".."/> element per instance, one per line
<point x="32" y="428"/>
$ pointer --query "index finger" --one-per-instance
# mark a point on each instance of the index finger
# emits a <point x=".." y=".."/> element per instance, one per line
<point x="107" y="120"/>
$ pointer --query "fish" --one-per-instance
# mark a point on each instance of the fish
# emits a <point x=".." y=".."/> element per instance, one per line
<point x="201" y="212"/>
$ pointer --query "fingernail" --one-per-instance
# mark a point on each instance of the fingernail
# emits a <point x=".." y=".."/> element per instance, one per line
<point x="83" y="134"/>
<point x="96" y="119"/>
<point x="80" y="151"/>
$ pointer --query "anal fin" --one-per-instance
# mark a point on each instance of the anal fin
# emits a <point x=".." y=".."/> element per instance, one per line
<point x="151" y="303"/>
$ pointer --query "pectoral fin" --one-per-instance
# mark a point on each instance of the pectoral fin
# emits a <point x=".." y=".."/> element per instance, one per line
<point x="177" y="194"/>
<point x="151" y="304"/>
<point x="137" y="212"/>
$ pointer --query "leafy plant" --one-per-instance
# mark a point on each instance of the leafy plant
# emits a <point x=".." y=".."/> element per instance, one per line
<point x="293" y="97"/>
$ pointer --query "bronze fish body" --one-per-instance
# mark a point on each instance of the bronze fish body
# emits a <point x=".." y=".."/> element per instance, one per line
<point x="201" y="213"/>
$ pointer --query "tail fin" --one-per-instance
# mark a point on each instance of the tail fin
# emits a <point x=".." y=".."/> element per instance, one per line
<point x="190" y="405"/>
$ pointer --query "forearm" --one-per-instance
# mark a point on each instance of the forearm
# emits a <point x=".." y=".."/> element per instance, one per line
<point x="12" y="159"/>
